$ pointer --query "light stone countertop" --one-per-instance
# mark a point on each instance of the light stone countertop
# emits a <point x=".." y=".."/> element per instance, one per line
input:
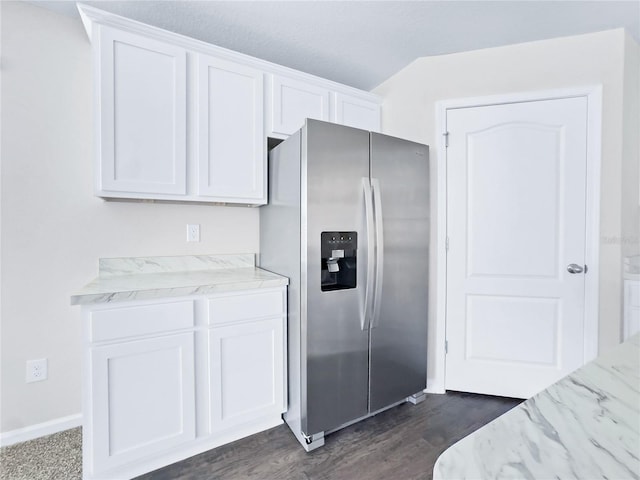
<point x="585" y="426"/>
<point x="144" y="278"/>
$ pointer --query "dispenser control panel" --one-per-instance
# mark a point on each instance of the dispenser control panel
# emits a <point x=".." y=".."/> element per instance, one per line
<point x="338" y="262"/>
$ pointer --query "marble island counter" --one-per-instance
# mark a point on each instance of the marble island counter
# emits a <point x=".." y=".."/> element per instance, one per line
<point x="585" y="426"/>
<point x="144" y="278"/>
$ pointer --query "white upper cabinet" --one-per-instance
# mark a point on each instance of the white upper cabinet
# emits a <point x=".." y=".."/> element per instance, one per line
<point x="356" y="112"/>
<point x="142" y="111"/>
<point x="293" y="102"/>
<point x="230" y="132"/>
<point x="182" y="120"/>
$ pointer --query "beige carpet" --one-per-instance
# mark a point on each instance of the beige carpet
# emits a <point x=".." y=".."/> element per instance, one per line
<point x="54" y="457"/>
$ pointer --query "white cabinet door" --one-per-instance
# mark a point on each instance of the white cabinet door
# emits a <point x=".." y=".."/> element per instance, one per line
<point x="293" y="101"/>
<point x="355" y="112"/>
<point x="142" y="399"/>
<point x="247" y="372"/>
<point x="142" y="115"/>
<point x="231" y="141"/>
<point x="631" y="308"/>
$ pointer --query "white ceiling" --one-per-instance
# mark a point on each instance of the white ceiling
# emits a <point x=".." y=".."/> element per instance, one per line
<point x="362" y="43"/>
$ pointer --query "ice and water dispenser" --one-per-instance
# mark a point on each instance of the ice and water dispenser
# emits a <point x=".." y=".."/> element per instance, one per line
<point x="338" y="263"/>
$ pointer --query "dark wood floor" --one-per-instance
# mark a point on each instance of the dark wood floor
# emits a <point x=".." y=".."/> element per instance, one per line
<point x="403" y="442"/>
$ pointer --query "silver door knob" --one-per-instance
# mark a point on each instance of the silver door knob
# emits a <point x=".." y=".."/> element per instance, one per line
<point x="574" y="268"/>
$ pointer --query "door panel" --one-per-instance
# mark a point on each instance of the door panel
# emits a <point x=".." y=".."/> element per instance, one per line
<point x="527" y="161"/>
<point x="230" y="131"/>
<point x="293" y="102"/>
<point x="247" y="372"/>
<point x="515" y="218"/>
<point x="399" y="333"/>
<point x="518" y="319"/>
<point x="143" y="398"/>
<point x="143" y="114"/>
<point x="334" y="344"/>
<point x="355" y="112"/>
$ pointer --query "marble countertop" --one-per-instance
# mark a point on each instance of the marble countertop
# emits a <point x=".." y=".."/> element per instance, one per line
<point x="143" y="278"/>
<point x="587" y="425"/>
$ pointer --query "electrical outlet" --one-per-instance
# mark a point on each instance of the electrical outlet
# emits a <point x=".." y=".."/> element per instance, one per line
<point x="36" y="370"/>
<point x="193" y="233"/>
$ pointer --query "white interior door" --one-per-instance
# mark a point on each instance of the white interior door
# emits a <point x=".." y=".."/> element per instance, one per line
<point x="516" y="200"/>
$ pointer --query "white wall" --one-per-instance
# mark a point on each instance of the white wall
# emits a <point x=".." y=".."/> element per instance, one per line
<point x="53" y="229"/>
<point x="410" y="97"/>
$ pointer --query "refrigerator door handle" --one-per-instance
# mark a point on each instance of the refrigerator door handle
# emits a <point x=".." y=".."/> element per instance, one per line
<point x="365" y="317"/>
<point x="377" y="208"/>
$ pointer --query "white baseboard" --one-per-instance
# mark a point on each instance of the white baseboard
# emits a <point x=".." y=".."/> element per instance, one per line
<point x="40" y="430"/>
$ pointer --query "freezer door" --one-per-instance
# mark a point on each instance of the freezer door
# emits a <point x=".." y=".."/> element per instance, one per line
<point x="400" y="180"/>
<point x="335" y="342"/>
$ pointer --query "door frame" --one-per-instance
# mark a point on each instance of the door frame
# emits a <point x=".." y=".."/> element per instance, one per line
<point x="593" y="94"/>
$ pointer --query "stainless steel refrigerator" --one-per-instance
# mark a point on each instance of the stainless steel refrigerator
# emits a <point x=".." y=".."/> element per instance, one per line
<point x="348" y="222"/>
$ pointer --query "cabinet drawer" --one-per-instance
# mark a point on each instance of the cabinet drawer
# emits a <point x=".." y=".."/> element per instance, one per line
<point x="130" y="321"/>
<point x="230" y="308"/>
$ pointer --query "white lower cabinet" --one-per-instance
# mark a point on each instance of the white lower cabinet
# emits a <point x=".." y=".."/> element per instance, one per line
<point x="631" y="308"/>
<point x="247" y="372"/>
<point x="143" y="398"/>
<point x="167" y="379"/>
